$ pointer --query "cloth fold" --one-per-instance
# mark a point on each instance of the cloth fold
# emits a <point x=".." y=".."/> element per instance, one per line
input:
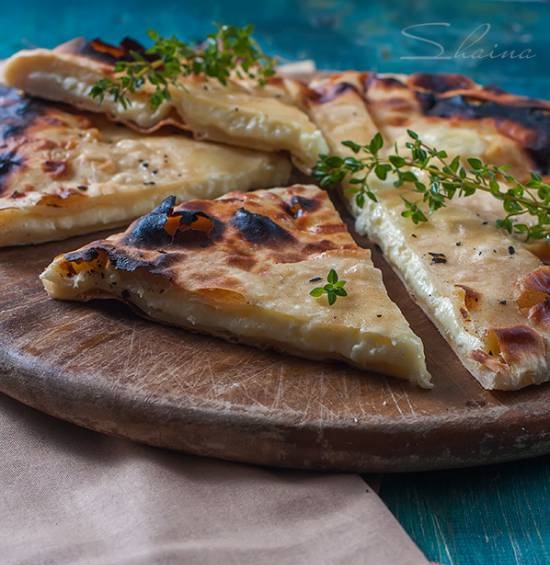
<point x="72" y="496"/>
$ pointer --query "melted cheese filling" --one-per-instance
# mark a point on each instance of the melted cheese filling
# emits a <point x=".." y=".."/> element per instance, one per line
<point x="229" y="113"/>
<point x="369" y="334"/>
<point x="124" y="175"/>
<point x="455" y="247"/>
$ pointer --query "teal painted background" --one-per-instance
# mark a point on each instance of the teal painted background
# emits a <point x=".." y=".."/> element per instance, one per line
<point x="495" y="515"/>
<point x="337" y="34"/>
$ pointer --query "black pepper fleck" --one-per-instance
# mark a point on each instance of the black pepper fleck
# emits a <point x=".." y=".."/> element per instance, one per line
<point x="437" y="258"/>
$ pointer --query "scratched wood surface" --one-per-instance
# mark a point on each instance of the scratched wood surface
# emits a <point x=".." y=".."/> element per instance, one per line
<point x="100" y="366"/>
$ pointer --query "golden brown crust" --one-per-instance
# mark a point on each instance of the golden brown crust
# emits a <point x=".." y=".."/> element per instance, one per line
<point x="403" y="101"/>
<point x="533" y="295"/>
<point x="502" y="346"/>
<point x="194" y="241"/>
<point x="24" y="145"/>
<point x="63" y="172"/>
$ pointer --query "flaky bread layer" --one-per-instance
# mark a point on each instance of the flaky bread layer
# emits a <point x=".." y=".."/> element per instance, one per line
<point x="229" y="114"/>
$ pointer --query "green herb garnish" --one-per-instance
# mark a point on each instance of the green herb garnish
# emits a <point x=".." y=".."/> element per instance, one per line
<point x="447" y="178"/>
<point x="228" y="50"/>
<point x="332" y="289"/>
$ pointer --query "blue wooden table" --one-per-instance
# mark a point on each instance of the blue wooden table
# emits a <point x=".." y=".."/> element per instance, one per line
<point x="493" y="515"/>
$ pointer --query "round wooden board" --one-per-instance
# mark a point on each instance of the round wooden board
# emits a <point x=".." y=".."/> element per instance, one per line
<point x="100" y="366"/>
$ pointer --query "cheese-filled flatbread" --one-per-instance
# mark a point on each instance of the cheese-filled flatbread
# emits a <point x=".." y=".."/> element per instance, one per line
<point x="485" y="292"/>
<point x="242" y="267"/>
<point x="233" y="114"/>
<point x="64" y="173"/>
<point x="449" y="112"/>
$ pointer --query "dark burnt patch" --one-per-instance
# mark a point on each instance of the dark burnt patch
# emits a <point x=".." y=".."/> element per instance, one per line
<point x="165" y="226"/>
<point x="260" y="229"/>
<point x="527" y="122"/>
<point x="440" y="82"/>
<point x="384" y="82"/>
<point x="17" y="112"/>
<point x="9" y="163"/>
<point x="121" y="259"/>
<point x="149" y="230"/>
<point x="82" y="255"/>
<point x="197" y="229"/>
<point x="297" y="206"/>
<point x="103" y="52"/>
<point x="322" y="95"/>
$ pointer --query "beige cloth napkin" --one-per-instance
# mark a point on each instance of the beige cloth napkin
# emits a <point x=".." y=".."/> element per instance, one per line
<point x="72" y="496"/>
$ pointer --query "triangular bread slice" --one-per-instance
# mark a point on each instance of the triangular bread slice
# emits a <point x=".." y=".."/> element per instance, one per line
<point x="448" y="111"/>
<point x="233" y="114"/>
<point x="242" y="267"/>
<point x="64" y="173"/>
<point x="486" y="292"/>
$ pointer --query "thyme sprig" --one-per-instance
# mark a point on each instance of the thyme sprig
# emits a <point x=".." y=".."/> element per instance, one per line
<point x="228" y="50"/>
<point x="446" y="179"/>
<point x="332" y="289"/>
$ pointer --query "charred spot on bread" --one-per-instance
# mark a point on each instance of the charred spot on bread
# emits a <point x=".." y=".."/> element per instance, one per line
<point x="515" y="343"/>
<point x="149" y="230"/>
<point x="297" y="206"/>
<point x="165" y="226"/>
<point x="196" y="228"/>
<point x="259" y="229"/>
<point x="440" y="82"/>
<point x="83" y="255"/>
<point x="9" y="163"/>
<point x="371" y="79"/>
<point x="533" y="295"/>
<point x="120" y="258"/>
<point x="102" y="51"/>
<point x="17" y="112"/>
<point x="508" y="346"/>
<point x="525" y="121"/>
<point x="329" y="92"/>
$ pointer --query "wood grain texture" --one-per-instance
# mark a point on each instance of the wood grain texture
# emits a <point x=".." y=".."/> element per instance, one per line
<point x="100" y="366"/>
